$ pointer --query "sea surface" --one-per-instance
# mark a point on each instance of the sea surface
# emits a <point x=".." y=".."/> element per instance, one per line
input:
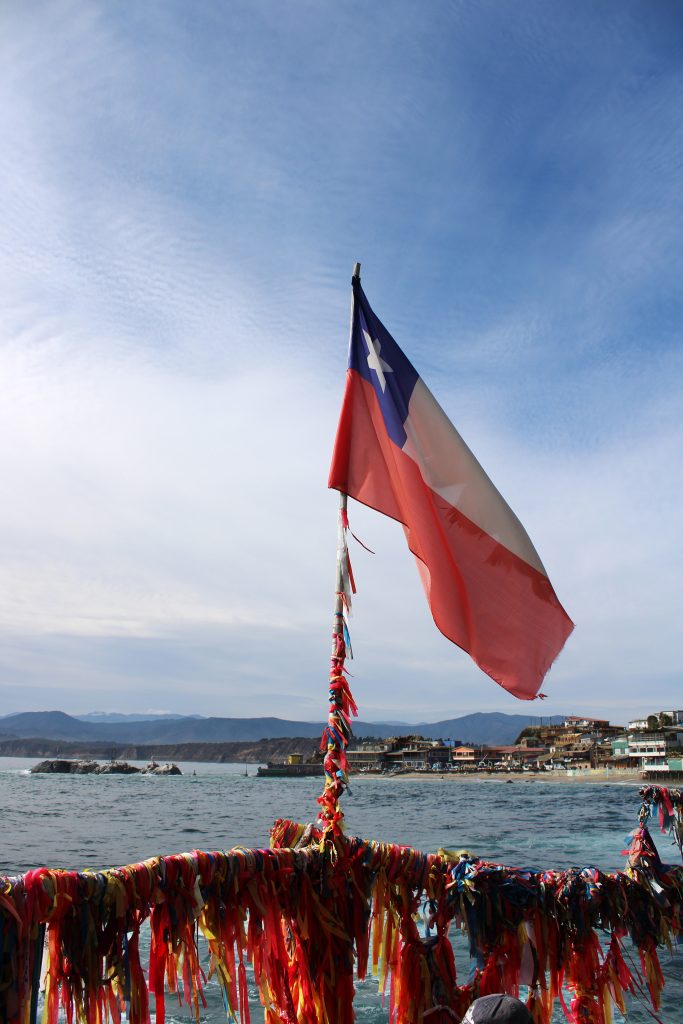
<point x="103" y="821"/>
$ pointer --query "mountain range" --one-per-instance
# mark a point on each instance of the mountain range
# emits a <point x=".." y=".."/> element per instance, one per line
<point x="482" y="728"/>
<point x="114" y="716"/>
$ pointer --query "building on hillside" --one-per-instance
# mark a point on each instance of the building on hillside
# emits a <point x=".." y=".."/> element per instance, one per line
<point x="637" y="725"/>
<point x="597" y="727"/>
<point x="601" y="753"/>
<point x="582" y="723"/>
<point x="563" y="744"/>
<point x="573" y="731"/>
<point x="580" y="760"/>
<point x="670" y="717"/>
<point x="543" y="735"/>
<point x="650" y="751"/>
<point x="660" y="719"/>
<point x="620" y="746"/>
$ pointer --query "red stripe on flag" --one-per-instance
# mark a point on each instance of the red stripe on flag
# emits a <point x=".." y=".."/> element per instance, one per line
<point x="484" y="598"/>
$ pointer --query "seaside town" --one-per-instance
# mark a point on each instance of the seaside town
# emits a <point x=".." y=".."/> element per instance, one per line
<point x="578" y="745"/>
<point x="652" y="746"/>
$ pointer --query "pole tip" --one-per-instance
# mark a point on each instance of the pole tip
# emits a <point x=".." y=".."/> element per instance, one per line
<point x="356" y="271"/>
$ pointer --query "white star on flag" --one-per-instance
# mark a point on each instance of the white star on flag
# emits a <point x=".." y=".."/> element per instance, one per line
<point x="375" y="361"/>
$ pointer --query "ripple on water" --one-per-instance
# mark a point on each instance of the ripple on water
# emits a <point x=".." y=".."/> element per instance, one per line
<point x="96" y="821"/>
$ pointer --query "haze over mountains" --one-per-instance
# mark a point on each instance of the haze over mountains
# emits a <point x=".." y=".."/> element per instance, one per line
<point x="114" y="716"/>
<point x="482" y="727"/>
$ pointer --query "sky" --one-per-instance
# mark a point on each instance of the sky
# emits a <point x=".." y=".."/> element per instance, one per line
<point x="185" y="189"/>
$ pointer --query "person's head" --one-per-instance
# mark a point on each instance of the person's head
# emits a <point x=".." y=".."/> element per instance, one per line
<point x="497" y="1009"/>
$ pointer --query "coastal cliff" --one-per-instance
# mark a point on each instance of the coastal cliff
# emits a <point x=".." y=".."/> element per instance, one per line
<point x="249" y="751"/>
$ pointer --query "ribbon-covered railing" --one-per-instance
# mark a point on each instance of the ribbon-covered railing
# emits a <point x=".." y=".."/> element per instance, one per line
<point x="668" y="805"/>
<point x="309" y="915"/>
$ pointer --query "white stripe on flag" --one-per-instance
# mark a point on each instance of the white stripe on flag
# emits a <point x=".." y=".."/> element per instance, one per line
<point x="448" y="466"/>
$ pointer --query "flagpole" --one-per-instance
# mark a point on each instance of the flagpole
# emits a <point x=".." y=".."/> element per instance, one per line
<point x="338" y="625"/>
<point x="337" y="733"/>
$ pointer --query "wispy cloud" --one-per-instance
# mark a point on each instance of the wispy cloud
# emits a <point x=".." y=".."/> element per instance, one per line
<point x="183" y="199"/>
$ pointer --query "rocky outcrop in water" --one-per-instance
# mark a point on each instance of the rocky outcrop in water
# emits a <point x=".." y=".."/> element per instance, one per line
<point x="62" y="766"/>
<point x="116" y="768"/>
<point x="161" y="769"/>
<point x="57" y="766"/>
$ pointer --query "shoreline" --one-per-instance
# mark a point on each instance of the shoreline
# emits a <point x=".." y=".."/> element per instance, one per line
<point x="591" y="778"/>
<point x="585" y="777"/>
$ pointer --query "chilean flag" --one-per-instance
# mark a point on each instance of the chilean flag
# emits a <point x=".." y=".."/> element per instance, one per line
<point x="397" y="452"/>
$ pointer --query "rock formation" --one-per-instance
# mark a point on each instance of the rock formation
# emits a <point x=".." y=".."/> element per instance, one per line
<point x="62" y="766"/>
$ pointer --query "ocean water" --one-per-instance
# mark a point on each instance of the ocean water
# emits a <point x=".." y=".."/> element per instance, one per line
<point x="86" y="821"/>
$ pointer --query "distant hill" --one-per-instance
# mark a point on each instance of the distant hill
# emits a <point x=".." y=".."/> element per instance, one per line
<point x="107" y="717"/>
<point x="58" y="725"/>
<point x="483" y="727"/>
<point x="255" y="751"/>
<point x="492" y="727"/>
<point x="48" y="724"/>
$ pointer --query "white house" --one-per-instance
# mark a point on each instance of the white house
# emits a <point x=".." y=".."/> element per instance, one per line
<point x="581" y="722"/>
<point x="637" y="725"/>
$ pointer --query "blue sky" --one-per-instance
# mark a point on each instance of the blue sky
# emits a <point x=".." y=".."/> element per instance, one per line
<point x="185" y="191"/>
